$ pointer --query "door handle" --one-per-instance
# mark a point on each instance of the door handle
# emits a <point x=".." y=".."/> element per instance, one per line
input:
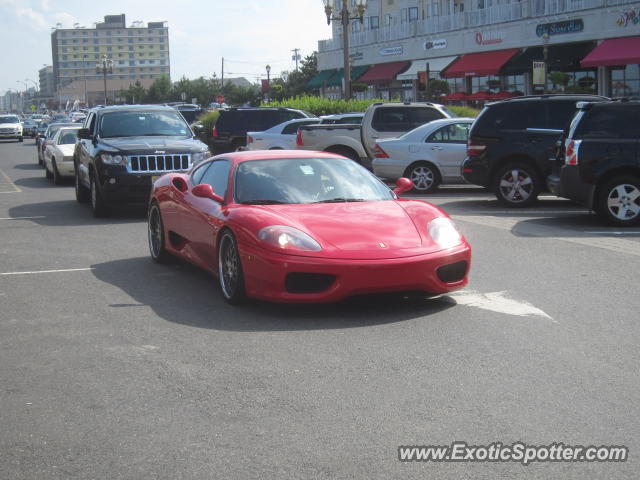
<point x="437" y="148"/>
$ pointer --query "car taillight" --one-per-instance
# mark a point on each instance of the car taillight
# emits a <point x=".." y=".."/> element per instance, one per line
<point x="249" y="139"/>
<point x="214" y="133"/>
<point x="379" y="152"/>
<point x="571" y="152"/>
<point x="299" y="141"/>
<point x="475" y="148"/>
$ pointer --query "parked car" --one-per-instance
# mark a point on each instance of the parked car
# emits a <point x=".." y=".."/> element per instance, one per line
<point x="353" y="118"/>
<point x="294" y="226"/>
<point x="380" y="120"/>
<point x="428" y="155"/>
<point x="512" y="142"/>
<point x="230" y="130"/>
<point x="189" y="111"/>
<point x="10" y="128"/>
<point x="598" y="162"/>
<point x="58" y="154"/>
<point x="280" y="137"/>
<point x="44" y="138"/>
<point x="122" y="149"/>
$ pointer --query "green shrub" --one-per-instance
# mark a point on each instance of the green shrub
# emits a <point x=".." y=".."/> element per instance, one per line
<point x="322" y="106"/>
<point x="464" y="111"/>
<point x="208" y="119"/>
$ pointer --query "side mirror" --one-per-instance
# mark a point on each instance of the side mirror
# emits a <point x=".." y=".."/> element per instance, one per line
<point x="204" y="190"/>
<point x="403" y="184"/>
<point x="84" y="134"/>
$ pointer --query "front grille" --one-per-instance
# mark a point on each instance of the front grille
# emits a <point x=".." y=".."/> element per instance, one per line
<point x="159" y="163"/>
<point x="308" y="282"/>
<point x="7" y="130"/>
<point x="454" y="272"/>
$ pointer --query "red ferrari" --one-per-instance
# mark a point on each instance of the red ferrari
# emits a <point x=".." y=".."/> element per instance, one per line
<point x="301" y="226"/>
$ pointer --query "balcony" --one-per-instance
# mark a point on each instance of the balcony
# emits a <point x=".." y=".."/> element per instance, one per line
<point x="517" y="10"/>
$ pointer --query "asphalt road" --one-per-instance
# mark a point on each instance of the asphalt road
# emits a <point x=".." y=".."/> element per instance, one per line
<point x="113" y="367"/>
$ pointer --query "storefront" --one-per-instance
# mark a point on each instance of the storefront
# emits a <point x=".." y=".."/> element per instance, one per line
<point x="382" y="81"/>
<point x="620" y="59"/>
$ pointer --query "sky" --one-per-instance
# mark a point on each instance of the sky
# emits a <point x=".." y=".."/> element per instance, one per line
<point x="249" y="34"/>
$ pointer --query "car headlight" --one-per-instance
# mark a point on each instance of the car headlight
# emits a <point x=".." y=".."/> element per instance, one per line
<point x="199" y="156"/>
<point x="112" y="159"/>
<point x="444" y="232"/>
<point x="288" y="238"/>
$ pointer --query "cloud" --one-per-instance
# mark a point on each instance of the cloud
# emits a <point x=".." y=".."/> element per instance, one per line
<point x="66" y="19"/>
<point x="32" y="18"/>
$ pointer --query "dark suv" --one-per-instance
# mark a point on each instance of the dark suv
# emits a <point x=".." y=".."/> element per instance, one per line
<point x="122" y="149"/>
<point x="598" y="161"/>
<point x="230" y="131"/>
<point x="512" y="142"/>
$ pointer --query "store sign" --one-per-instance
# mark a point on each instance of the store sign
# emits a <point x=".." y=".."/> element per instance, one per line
<point x="628" y="17"/>
<point x="356" y="56"/>
<point x="539" y="73"/>
<point x="397" y="50"/>
<point x="560" y="28"/>
<point x="435" y="44"/>
<point x="489" y="38"/>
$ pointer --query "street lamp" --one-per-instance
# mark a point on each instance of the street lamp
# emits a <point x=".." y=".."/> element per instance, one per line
<point x="104" y="66"/>
<point x="345" y="17"/>
<point x="268" y="69"/>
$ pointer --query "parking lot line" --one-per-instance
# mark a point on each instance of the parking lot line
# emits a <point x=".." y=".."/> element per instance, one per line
<point x="15" y="188"/>
<point x="49" y="271"/>
<point x="21" y="218"/>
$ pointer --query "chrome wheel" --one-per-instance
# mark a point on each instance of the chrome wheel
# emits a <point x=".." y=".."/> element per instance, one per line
<point x="230" y="269"/>
<point x="623" y="202"/>
<point x="424" y="178"/>
<point x="516" y="185"/>
<point x="155" y="232"/>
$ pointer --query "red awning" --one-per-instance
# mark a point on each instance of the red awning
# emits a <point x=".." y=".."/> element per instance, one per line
<point x="479" y="64"/>
<point x="452" y="97"/>
<point x="617" y="51"/>
<point x="478" y="96"/>
<point x="501" y="95"/>
<point x="383" y="72"/>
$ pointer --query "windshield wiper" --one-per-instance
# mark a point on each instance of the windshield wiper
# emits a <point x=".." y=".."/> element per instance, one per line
<point x="341" y="200"/>
<point x="262" y="202"/>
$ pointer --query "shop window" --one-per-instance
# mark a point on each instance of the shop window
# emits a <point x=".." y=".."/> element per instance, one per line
<point x="485" y="84"/>
<point x="625" y="82"/>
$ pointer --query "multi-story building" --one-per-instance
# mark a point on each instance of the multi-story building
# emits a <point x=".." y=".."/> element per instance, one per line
<point x="484" y="47"/>
<point x="138" y="52"/>
<point x="46" y="80"/>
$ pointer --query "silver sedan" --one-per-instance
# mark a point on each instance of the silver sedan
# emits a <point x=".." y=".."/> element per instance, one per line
<point x="428" y="155"/>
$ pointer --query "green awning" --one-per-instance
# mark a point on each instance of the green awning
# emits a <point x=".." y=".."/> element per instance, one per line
<point x="320" y="78"/>
<point x="356" y="73"/>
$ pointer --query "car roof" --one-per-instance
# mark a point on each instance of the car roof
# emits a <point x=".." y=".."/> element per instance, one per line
<point x="550" y="97"/>
<point x="250" y="155"/>
<point x="133" y="108"/>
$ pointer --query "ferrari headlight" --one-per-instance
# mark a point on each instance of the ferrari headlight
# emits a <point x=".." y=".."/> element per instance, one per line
<point x="108" y="159"/>
<point x="444" y="232"/>
<point x="288" y="238"/>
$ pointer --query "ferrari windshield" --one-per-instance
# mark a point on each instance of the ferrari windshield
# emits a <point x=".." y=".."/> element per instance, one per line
<point x="161" y="123"/>
<point x="306" y="180"/>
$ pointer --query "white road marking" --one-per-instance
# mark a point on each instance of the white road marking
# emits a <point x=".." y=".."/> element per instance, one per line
<point x="16" y="189"/>
<point x="20" y="218"/>
<point x="497" y="302"/>
<point x="48" y="271"/>
<point x="626" y="232"/>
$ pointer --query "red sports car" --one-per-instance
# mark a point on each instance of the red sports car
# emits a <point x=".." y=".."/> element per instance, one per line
<point x="301" y="226"/>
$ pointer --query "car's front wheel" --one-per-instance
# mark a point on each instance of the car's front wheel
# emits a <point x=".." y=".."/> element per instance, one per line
<point x="424" y="176"/>
<point x="82" y="194"/>
<point x="230" y="269"/>
<point x="618" y="201"/>
<point x="517" y="184"/>
<point x="98" y="207"/>
<point x="57" y="179"/>
<point x="47" y="173"/>
<point x="155" y="231"/>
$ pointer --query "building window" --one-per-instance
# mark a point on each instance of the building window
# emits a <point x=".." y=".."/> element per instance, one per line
<point x="625" y="82"/>
<point x="374" y="22"/>
<point x="485" y="84"/>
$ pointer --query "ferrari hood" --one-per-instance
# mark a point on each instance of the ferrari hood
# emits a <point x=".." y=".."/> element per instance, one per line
<point x="365" y="229"/>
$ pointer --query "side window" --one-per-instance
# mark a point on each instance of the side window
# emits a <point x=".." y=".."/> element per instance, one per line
<point x="560" y="114"/>
<point x="420" y="116"/>
<point x="292" y="128"/>
<point x="286" y="115"/>
<point x="609" y="123"/>
<point x="390" y="119"/>
<point x="456" y="133"/>
<point x="217" y="175"/>
<point x="196" y="176"/>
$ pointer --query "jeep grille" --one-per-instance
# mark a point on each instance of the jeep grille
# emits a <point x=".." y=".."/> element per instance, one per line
<point x="159" y="163"/>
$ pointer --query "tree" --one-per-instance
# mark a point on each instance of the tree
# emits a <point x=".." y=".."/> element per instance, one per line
<point x="136" y="93"/>
<point x="160" y="90"/>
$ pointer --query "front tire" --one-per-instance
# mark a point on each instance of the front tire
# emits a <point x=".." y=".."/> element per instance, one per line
<point x="21" y="139"/>
<point x="155" y="231"/>
<point x="82" y="194"/>
<point x="98" y="206"/>
<point x="230" y="270"/>
<point x="57" y="179"/>
<point x="424" y="176"/>
<point x="47" y="173"/>
<point x="618" y="201"/>
<point x="517" y="185"/>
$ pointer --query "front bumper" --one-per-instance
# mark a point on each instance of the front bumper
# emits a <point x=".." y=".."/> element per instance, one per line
<point x="266" y="273"/>
<point x="11" y="135"/>
<point x="117" y="186"/>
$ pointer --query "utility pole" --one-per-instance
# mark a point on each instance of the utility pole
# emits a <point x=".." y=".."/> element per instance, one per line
<point x="296" y="56"/>
<point x="222" y="76"/>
